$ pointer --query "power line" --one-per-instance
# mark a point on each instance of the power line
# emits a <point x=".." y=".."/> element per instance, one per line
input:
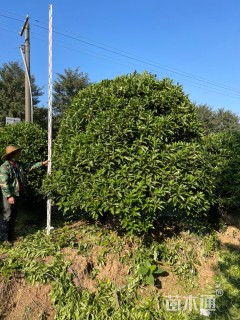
<point x="147" y="60"/>
<point x="13" y="13"/>
<point x="119" y="62"/>
<point x="142" y="60"/>
<point x="8" y="30"/>
<point x="199" y="80"/>
<point x="139" y="59"/>
<point x="3" y="15"/>
<point x="108" y="58"/>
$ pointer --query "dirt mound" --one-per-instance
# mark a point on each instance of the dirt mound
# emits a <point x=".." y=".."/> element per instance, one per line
<point x="230" y="237"/>
<point x="20" y="300"/>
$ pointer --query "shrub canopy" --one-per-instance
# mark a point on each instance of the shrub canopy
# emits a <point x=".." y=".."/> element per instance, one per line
<point x="130" y="147"/>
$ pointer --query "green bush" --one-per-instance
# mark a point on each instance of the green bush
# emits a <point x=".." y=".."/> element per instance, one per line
<point x="130" y="147"/>
<point x="33" y="141"/>
<point x="223" y="150"/>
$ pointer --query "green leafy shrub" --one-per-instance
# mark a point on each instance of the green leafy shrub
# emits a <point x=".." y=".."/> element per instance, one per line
<point x="224" y="155"/>
<point x="149" y="272"/>
<point x="130" y="147"/>
<point x="33" y="141"/>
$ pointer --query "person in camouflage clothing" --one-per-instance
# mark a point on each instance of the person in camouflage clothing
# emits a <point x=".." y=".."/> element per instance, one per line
<point x="12" y="184"/>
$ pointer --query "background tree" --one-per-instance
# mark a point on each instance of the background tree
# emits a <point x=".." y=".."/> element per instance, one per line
<point x="214" y="121"/>
<point x="65" y="88"/>
<point x="12" y="92"/>
<point x="40" y="117"/>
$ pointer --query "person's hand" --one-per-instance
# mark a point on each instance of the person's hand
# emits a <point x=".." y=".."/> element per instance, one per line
<point x="11" y="200"/>
<point x="44" y="163"/>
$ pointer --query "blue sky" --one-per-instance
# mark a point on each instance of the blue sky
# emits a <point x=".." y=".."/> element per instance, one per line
<point x="194" y="42"/>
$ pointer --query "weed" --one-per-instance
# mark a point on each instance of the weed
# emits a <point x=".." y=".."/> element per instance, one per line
<point x="148" y="272"/>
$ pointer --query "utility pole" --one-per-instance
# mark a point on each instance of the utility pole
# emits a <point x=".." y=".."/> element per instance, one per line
<point x="26" y="31"/>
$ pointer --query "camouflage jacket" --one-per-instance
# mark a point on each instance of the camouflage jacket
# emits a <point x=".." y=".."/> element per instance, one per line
<point x="9" y="178"/>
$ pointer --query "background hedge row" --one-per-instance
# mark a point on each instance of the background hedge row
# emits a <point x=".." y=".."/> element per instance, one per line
<point x="33" y="141"/>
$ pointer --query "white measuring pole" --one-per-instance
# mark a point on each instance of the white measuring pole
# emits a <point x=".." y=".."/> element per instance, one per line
<point x="49" y="114"/>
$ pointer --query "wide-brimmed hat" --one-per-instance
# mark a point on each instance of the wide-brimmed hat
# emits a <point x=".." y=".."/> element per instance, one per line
<point x="9" y="150"/>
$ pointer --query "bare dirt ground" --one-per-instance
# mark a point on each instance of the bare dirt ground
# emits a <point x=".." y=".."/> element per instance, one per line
<point x="21" y="301"/>
<point x="230" y="236"/>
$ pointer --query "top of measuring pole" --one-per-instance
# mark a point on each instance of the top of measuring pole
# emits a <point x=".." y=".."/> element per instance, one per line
<point x="24" y="26"/>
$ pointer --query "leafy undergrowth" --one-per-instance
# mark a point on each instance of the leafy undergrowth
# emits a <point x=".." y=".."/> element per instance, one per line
<point x="228" y="275"/>
<point x="85" y="271"/>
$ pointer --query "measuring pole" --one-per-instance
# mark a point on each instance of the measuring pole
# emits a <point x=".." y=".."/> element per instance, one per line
<point x="49" y="114"/>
